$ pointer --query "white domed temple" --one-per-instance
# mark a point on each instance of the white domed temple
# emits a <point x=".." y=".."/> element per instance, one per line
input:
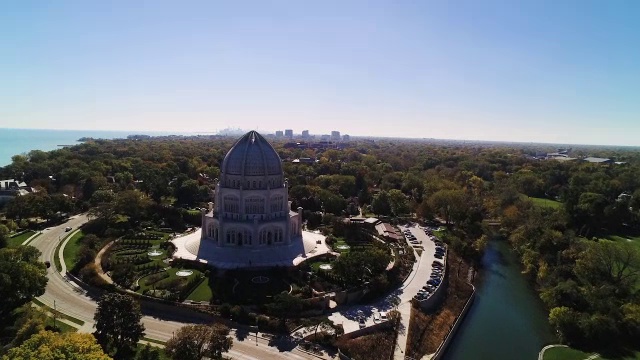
<point x="250" y="223"/>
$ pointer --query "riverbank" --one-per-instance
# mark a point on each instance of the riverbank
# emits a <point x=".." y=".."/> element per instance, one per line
<point x="507" y="319"/>
<point x="428" y="330"/>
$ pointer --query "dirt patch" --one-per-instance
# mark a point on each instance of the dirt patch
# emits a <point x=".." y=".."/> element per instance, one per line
<point x="377" y="346"/>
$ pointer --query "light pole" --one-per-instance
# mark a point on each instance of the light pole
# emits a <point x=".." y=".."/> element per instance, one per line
<point x="256" y="331"/>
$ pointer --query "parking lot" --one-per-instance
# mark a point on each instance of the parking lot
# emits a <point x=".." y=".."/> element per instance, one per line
<point x="399" y="299"/>
<point x="432" y="274"/>
<point x="416" y="236"/>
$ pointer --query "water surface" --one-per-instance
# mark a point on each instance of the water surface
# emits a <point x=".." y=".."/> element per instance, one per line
<point x="507" y="320"/>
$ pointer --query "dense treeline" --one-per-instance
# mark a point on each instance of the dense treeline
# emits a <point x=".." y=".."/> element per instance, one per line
<point x="555" y="214"/>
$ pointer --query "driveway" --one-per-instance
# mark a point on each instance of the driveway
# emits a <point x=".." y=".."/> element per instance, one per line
<point x="399" y="299"/>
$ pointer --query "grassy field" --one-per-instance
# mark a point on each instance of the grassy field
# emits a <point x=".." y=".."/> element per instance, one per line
<point x="63" y="316"/>
<point x="547" y="203"/>
<point x="65" y="328"/>
<point x="634" y="240"/>
<point x="71" y="249"/>
<point x="563" y="353"/>
<point x="202" y="292"/>
<point x="19" y="239"/>
<point x="161" y="352"/>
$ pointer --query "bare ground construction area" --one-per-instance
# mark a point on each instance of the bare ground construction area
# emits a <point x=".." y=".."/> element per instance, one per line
<point x="427" y="330"/>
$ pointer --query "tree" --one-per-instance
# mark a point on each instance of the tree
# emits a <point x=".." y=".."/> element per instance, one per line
<point x="285" y="305"/>
<point x="608" y="262"/>
<point x="22" y="277"/>
<point x="195" y="342"/>
<point x="323" y="324"/>
<point x="380" y="204"/>
<point x="124" y="274"/>
<point x="118" y="325"/>
<point x="187" y="193"/>
<point x="398" y="202"/>
<point x="148" y="352"/>
<point x="565" y="321"/>
<point x="450" y="204"/>
<point x="53" y="346"/>
<point x="31" y="321"/>
<point x="355" y="267"/>
<point x="4" y="236"/>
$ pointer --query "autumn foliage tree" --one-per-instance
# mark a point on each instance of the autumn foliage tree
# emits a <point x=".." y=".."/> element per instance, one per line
<point x="54" y="346"/>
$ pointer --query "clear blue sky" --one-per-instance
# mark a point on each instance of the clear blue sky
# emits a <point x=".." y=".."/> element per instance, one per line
<point x="552" y="71"/>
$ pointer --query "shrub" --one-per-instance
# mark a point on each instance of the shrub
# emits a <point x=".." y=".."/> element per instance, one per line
<point x="152" y="279"/>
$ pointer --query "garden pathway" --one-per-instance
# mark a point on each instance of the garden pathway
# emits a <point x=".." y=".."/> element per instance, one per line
<point x="98" y="263"/>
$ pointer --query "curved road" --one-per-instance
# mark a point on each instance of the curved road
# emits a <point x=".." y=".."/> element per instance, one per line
<point x="72" y="300"/>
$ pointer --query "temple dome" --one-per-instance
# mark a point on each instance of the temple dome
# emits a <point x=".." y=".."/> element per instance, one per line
<point x="252" y="155"/>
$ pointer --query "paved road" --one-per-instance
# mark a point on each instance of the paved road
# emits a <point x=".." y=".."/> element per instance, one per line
<point x="72" y="300"/>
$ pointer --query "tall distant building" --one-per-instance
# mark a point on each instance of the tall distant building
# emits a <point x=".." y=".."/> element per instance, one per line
<point x="335" y="135"/>
<point x="288" y="133"/>
<point x="279" y="133"/>
<point x="305" y="133"/>
<point x="346" y="137"/>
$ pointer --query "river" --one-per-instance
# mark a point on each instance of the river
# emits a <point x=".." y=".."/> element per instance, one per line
<point x="507" y="321"/>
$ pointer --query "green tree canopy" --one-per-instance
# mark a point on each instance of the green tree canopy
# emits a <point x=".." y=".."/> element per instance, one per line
<point x="118" y="324"/>
<point x="22" y="277"/>
<point x="196" y="342"/>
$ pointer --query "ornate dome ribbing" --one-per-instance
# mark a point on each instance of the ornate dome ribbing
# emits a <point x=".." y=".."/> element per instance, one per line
<point x="252" y="155"/>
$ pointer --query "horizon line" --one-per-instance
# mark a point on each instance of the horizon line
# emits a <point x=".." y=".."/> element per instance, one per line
<point x="193" y="133"/>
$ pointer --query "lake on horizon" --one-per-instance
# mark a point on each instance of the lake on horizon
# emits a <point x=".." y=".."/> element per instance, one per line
<point x="21" y="141"/>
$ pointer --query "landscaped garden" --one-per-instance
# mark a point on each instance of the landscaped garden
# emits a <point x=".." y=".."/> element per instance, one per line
<point x="142" y="263"/>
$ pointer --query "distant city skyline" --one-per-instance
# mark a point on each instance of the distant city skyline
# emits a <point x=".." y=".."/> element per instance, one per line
<point x="493" y="70"/>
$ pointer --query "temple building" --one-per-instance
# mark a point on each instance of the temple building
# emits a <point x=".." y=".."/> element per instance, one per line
<point x="252" y="206"/>
<point x="250" y="223"/>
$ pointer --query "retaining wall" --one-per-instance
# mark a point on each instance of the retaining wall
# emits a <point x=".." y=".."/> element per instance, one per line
<point x="459" y="320"/>
<point x="368" y="330"/>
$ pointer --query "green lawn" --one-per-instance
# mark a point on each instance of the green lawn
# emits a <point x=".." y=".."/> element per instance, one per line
<point x="65" y="328"/>
<point x="172" y="275"/>
<point x="159" y="342"/>
<point x="202" y="292"/>
<point x="547" y="203"/>
<point x="61" y="315"/>
<point x="315" y="265"/>
<point x="161" y="352"/>
<point x="71" y="249"/>
<point x="634" y="240"/>
<point x="19" y="239"/>
<point x="563" y="353"/>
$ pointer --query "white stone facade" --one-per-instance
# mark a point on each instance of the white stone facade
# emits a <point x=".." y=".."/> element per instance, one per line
<point x="251" y="206"/>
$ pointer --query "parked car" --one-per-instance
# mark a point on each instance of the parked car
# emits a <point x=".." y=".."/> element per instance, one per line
<point x="383" y="315"/>
<point x="361" y="322"/>
<point x="67" y="229"/>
